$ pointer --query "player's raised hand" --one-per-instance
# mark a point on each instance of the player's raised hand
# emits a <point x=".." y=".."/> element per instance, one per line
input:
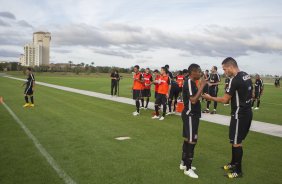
<point x="206" y="96"/>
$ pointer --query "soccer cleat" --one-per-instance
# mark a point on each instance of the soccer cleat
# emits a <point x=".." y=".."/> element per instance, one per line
<point x="183" y="167"/>
<point x="141" y="107"/>
<point x="252" y="107"/>
<point x="256" y="108"/>
<point x="233" y="175"/>
<point x="26" y="105"/>
<point x="146" y="108"/>
<point x="155" y="117"/>
<point x="213" y="112"/>
<point x="191" y="173"/>
<point x="135" y="113"/>
<point x="228" y="167"/>
<point x="206" y="111"/>
<point x="31" y="105"/>
<point x="161" y="118"/>
<point x="168" y="113"/>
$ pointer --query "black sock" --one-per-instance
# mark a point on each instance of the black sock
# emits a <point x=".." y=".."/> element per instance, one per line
<point x="157" y="109"/>
<point x="214" y="105"/>
<point x="253" y="102"/>
<point x="164" y="109"/>
<point x="137" y="105"/>
<point x="238" y="155"/>
<point x="208" y="104"/>
<point x="233" y="155"/>
<point x="26" y="99"/>
<point x="147" y="102"/>
<point x="258" y="102"/>
<point x="169" y="105"/>
<point x="190" y="155"/>
<point x="142" y="102"/>
<point x="184" y="151"/>
<point x="174" y="105"/>
<point x="31" y="99"/>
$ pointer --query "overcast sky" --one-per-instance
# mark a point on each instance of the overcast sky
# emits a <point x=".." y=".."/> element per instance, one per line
<point x="149" y="33"/>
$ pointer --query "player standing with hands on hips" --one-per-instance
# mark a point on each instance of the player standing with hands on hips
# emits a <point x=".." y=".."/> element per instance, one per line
<point x="191" y="118"/>
<point x="240" y="92"/>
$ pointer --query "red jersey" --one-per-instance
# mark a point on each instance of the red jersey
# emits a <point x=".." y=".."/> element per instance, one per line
<point x="164" y="85"/>
<point x="148" y="79"/>
<point x="137" y="84"/>
<point x="156" y="84"/>
<point x="180" y="80"/>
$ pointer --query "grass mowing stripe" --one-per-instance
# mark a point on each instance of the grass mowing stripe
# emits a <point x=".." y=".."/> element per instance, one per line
<point x="62" y="174"/>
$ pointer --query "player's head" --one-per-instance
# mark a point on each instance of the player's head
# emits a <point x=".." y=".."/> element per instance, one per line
<point x="257" y="76"/>
<point x="214" y="69"/>
<point x="185" y="72"/>
<point x="28" y="70"/>
<point x="136" y="68"/>
<point x="147" y="70"/>
<point x="167" y="67"/>
<point x="207" y="72"/>
<point x="194" y="71"/>
<point x="156" y="72"/>
<point x="180" y="73"/>
<point x="164" y="71"/>
<point x="229" y="66"/>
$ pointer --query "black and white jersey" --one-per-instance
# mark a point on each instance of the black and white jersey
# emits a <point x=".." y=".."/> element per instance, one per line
<point x="258" y="85"/>
<point x="240" y="88"/>
<point x="30" y="80"/>
<point x="227" y="80"/>
<point x="189" y="90"/>
<point x="214" y="78"/>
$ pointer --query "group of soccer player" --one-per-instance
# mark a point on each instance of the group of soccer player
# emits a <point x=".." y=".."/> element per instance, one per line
<point x="189" y="86"/>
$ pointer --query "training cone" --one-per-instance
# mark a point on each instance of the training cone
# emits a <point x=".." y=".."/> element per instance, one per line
<point x="179" y="107"/>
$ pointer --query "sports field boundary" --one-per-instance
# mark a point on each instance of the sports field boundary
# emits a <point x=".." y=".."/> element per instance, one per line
<point x="61" y="173"/>
<point x="257" y="126"/>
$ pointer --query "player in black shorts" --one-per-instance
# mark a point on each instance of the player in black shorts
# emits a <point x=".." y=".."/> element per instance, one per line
<point x="277" y="82"/>
<point x="213" y="82"/>
<point x="173" y="96"/>
<point x="191" y="118"/>
<point x="240" y="92"/>
<point x="258" y="91"/>
<point x="28" y="92"/>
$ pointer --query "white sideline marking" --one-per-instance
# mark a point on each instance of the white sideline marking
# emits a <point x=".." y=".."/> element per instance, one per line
<point x="257" y="126"/>
<point x="62" y="174"/>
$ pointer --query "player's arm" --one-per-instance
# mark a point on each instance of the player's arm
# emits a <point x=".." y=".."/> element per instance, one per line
<point x="169" y="87"/>
<point x="194" y="99"/>
<point x="224" y="99"/>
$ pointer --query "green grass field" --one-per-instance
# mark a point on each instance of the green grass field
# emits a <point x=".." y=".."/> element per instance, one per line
<point x="79" y="131"/>
<point x="271" y="101"/>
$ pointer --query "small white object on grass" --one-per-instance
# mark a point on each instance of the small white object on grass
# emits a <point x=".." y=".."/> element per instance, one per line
<point x="122" y="138"/>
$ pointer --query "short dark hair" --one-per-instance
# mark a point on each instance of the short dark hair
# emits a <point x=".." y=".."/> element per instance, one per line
<point x="215" y="67"/>
<point x="185" y="71"/>
<point x="147" y="68"/>
<point x="165" y="69"/>
<point x="193" y="67"/>
<point x="229" y="61"/>
<point x="29" y="69"/>
<point x="167" y="66"/>
<point x="137" y="66"/>
<point x="180" y="72"/>
<point x="207" y="71"/>
<point x="156" y="71"/>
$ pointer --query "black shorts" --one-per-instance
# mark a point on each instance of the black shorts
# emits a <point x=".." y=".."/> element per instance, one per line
<point x="146" y="93"/>
<point x="257" y="94"/>
<point x="190" y="127"/>
<point x="213" y="91"/>
<point x="239" y="128"/>
<point x="180" y="89"/>
<point x="206" y="89"/>
<point x="161" y="99"/>
<point x="137" y="94"/>
<point x="174" y="93"/>
<point x="156" y="94"/>
<point x="28" y="91"/>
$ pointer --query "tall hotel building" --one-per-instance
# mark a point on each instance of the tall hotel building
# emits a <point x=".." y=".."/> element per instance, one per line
<point x="38" y="52"/>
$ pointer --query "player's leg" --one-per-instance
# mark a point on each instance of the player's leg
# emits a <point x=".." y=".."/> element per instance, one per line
<point x="112" y="88"/>
<point x="148" y="95"/>
<point x="157" y="104"/>
<point x="175" y="100"/>
<point x="214" y="94"/>
<point x="190" y="134"/>
<point x="136" y="97"/>
<point x="115" y="88"/>
<point x="164" y="104"/>
<point x="170" y="98"/>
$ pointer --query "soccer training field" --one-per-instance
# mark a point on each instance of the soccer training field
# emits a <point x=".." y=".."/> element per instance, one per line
<point x="78" y="132"/>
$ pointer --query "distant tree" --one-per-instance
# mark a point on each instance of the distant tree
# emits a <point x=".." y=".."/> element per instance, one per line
<point x="82" y="64"/>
